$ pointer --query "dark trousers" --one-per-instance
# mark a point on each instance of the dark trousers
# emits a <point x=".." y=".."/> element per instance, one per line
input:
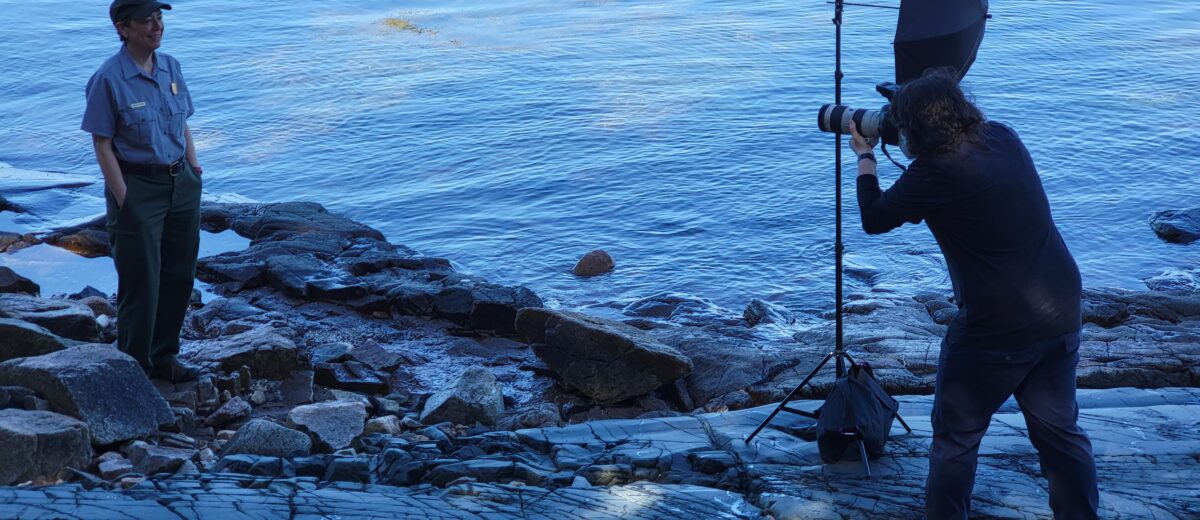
<point x="971" y="385"/>
<point x="155" y="237"/>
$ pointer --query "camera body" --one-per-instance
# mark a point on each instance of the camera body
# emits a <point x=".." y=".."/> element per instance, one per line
<point x="871" y="123"/>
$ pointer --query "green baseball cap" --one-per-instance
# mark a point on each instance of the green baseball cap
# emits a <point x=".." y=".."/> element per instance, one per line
<point x="122" y="10"/>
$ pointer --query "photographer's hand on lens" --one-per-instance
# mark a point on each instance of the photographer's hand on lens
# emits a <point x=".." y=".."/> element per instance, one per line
<point x="861" y="144"/>
<point x="864" y="148"/>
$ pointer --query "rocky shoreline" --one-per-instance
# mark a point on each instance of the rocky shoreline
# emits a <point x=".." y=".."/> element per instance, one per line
<point x="348" y="374"/>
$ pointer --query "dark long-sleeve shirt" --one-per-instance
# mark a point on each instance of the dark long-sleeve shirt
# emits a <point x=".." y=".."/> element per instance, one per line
<point x="1014" y="279"/>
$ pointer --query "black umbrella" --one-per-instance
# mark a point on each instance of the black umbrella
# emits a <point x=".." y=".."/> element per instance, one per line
<point x="938" y="33"/>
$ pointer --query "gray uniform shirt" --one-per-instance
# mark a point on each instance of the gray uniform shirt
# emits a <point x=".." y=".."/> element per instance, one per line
<point x="144" y="114"/>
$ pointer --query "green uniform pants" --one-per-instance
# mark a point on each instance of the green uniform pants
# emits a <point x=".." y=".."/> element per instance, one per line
<point x="155" y="237"/>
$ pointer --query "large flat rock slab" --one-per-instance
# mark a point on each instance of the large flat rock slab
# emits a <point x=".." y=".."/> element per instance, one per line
<point x="229" y="497"/>
<point x="96" y="384"/>
<point x="1129" y="338"/>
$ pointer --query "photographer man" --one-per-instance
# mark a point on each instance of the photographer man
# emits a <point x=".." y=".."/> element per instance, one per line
<point x="1017" y="286"/>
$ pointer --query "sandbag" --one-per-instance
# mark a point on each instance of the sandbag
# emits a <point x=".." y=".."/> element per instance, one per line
<point x="856" y="407"/>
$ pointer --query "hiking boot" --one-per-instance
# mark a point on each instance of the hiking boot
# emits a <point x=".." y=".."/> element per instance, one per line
<point x="175" y="371"/>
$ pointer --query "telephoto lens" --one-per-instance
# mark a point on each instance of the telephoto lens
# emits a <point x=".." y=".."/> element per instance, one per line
<point x="871" y="123"/>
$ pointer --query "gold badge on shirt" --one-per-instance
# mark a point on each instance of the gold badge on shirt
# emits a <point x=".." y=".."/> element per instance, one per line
<point x="174" y="88"/>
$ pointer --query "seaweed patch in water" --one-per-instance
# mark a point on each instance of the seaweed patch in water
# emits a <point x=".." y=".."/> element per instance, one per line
<point x="401" y="24"/>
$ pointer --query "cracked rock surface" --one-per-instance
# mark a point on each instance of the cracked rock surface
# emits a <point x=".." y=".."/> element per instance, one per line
<point x="1146" y="444"/>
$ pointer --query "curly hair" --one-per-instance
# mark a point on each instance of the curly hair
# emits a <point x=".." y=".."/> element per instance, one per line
<point x="934" y="114"/>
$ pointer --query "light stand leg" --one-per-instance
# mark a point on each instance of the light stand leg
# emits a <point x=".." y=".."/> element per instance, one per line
<point x="784" y="404"/>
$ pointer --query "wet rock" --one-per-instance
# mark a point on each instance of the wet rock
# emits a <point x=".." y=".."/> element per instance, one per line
<point x="65" y="318"/>
<point x="681" y="309"/>
<point x="312" y="466"/>
<point x="723" y="364"/>
<point x="1176" y="281"/>
<point x="350" y="375"/>
<point x="233" y="410"/>
<point x="398" y="467"/>
<point x="539" y="416"/>
<point x="97" y="384"/>
<point x="374" y="356"/>
<point x="759" y="311"/>
<point x="21" y="339"/>
<point x="483" y="305"/>
<point x="261" y="220"/>
<point x="712" y="462"/>
<point x="349" y="469"/>
<point x="594" y="263"/>
<point x="1179" y="226"/>
<point x="149" y="459"/>
<point x="389" y="424"/>
<point x="603" y="359"/>
<point x="330" y="352"/>
<point x="263" y="437"/>
<point x="308" y="277"/>
<point x="88" y="239"/>
<point x="15" y="396"/>
<point x="332" y="424"/>
<point x="11" y="282"/>
<point x="268" y="353"/>
<point x="207" y="396"/>
<point x="41" y="446"/>
<point x="238" y="268"/>
<point x="476" y="397"/>
<point x="486" y="470"/>
<point x="115" y="468"/>
<point x="212" y="320"/>
<point x="255" y="465"/>
<point x="608" y="474"/>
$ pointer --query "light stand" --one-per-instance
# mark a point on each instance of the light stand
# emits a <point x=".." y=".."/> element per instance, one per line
<point x="839" y="354"/>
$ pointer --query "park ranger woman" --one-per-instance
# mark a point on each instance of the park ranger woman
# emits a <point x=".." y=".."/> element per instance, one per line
<point x="137" y="110"/>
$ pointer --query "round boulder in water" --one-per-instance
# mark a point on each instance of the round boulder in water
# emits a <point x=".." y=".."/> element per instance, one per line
<point x="594" y="263"/>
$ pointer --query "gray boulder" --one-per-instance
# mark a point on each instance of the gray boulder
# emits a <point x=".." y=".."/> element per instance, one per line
<point x="603" y="359"/>
<point x="332" y="424"/>
<point x="149" y="459"/>
<point x="263" y="437"/>
<point x="11" y="282"/>
<point x="97" y="384"/>
<point x="21" y="339"/>
<point x="40" y="446"/>
<point x="476" y="397"/>
<point x="1179" y="226"/>
<point x="268" y="353"/>
<point x="65" y="318"/>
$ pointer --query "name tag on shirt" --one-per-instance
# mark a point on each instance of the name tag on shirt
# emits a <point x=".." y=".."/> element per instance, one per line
<point x="139" y="104"/>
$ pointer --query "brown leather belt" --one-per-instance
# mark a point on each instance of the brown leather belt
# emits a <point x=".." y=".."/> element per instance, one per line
<point x="151" y="169"/>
